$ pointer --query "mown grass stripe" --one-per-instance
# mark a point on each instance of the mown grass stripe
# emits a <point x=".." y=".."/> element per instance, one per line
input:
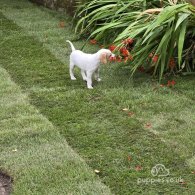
<point x="32" y="150"/>
<point x="34" y="153"/>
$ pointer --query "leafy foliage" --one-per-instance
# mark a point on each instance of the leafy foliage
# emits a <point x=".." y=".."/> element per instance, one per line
<point x="163" y="30"/>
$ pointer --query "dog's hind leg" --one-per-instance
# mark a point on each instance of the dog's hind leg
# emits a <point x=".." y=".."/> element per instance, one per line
<point x="89" y="80"/>
<point x="71" y="71"/>
<point x="83" y="75"/>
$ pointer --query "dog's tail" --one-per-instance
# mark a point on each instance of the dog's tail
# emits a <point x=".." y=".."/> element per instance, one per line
<point x="72" y="46"/>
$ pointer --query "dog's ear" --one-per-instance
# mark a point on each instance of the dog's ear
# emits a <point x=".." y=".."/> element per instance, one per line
<point x="103" y="58"/>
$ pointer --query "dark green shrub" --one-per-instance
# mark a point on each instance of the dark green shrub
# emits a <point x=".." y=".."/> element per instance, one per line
<point x="68" y="5"/>
<point x="163" y="30"/>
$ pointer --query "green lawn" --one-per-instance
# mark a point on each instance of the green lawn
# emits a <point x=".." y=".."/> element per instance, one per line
<point x="42" y="110"/>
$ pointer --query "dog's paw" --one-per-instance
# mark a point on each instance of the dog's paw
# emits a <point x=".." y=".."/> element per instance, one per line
<point x="90" y="87"/>
<point x="99" y="79"/>
<point x="73" y="78"/>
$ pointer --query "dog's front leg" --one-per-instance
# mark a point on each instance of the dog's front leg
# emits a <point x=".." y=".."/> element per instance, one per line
<point x="97" y="75"/>
<point x="89" y="80"/>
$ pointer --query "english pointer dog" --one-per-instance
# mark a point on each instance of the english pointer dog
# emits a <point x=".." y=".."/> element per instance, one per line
<point x="88" y="63"/>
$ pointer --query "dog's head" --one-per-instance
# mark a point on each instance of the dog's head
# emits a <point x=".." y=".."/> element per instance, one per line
<point x="104" y="55"/>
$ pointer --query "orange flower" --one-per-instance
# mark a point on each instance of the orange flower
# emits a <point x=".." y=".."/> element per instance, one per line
<point x="126" y="59"/>
<point x="128" y="41"/>
<point x="61" y="24"/>
<point x="130" y="57"/>
<point x="124" y="51"/>
<point x="171" y="83"/>
<point x="127" y="56"/>
<point x="118" y="59"/>
<point x="141" y="69"/>
<point x="151" y="55"/>
<point x="93" y="41"/>
<point x="171" y="63"/>
<point x="112" y="47"/>
<point x="155" y="58"/>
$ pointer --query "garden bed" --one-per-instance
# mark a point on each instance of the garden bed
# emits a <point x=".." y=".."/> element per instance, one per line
<point x="5" y="184"/>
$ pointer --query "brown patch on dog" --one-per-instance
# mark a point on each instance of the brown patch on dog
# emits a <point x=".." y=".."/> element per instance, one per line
<point x="103" y="58"/>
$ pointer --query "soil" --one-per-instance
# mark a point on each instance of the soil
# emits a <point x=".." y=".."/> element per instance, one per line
<point x="5" y="184"/>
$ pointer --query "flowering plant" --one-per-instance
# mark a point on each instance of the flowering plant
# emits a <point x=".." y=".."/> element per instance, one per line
<point x="161" y="33"/>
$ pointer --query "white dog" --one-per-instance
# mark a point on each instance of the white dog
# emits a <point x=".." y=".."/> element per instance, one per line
<point x="88" y="63"/>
